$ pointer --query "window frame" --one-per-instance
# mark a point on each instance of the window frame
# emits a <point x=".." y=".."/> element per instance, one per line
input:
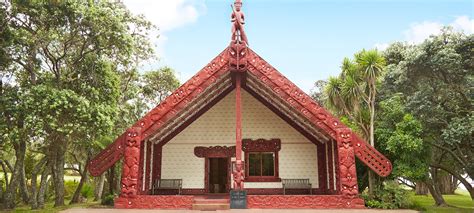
<point x="262" y="146"/>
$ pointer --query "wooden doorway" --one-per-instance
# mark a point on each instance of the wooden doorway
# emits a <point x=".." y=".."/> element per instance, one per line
<point x="219" y="175"/>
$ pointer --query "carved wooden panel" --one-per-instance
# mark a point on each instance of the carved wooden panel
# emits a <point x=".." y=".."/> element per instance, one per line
<point x="347" y="166"/>
<point x="215" y="151"/>
<point x="261" y="145"/>
<point x="155" y="202"/>
<point x="130" y="172"/>
<point x="303" y="202"/>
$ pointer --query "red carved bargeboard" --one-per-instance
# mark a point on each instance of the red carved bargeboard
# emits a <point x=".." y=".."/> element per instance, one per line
<point x="155" y="202"/>
<point x="303" y="202"/>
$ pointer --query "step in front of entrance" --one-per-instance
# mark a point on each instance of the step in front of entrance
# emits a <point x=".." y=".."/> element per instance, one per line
<point x="211" y="203"/>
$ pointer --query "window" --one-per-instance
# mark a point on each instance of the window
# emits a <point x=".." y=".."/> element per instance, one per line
<point x="261" y="160"/>
<point x="261" y="164"/>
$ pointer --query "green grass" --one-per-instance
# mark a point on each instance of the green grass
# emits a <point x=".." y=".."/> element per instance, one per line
<point x="49" y="207"/>
<point x="458" y="203"/>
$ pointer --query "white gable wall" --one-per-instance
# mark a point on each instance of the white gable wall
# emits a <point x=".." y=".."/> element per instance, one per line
<point x="297" y="158"/>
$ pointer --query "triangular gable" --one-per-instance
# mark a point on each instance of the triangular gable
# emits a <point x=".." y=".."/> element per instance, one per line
<point x="237" y="58"/>
<point x="319" y="116"/>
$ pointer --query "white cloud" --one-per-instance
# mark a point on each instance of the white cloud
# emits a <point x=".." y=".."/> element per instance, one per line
<point x="418" y="32"/>
<point x="167" y="15"/>
<point x="381" y="46"/>
<point x="463" y="23"/>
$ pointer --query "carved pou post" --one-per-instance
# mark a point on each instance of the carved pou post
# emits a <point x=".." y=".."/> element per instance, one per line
<point x="130" y="182"/>
<point x="238" y="175"/>
<point x="347" y="166"/>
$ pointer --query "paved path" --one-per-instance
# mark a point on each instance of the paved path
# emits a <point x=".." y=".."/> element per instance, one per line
<point x="91" y="210"/>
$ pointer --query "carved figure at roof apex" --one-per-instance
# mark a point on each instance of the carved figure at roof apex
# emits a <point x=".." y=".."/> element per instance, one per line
<point x="238" y="21"/>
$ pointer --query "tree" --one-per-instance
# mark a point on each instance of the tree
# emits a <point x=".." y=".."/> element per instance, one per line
<point x="66" y="56"/>
<point x="157" y="85"/>
<point x="435" y="79"/>
<point x="353" y="93"/>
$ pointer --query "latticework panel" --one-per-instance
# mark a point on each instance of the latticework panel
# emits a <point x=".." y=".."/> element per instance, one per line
<point x="372" y="158"/>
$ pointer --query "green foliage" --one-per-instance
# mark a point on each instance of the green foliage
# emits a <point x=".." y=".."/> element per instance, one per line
<point x="390" y="195"/>
<point x="157" y="85"/>
<point x="108" y="200"/>
<point x="87" y="191"/>
<point x="400" y="134"/>
<point x="69" y="188"/>
<point x="434" y="80"/>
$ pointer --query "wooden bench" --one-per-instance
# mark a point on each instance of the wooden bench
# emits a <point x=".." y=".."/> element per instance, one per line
<point x="296" y="184"/>
<point x="167" y="184"/>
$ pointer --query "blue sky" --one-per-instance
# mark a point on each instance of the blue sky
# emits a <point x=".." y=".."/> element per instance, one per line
<point x="306" y="40"/>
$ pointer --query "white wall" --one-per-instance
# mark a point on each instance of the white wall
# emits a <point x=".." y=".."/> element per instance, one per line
<point x="297" y="158"/>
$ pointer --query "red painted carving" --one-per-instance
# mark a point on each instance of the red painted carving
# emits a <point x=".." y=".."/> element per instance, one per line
<point x="130" y="176"/>
<point x="107" y="157"/>
<point x="320" y="118"/>
<point x="303" y="202"/>
<point x="239" y="175"/>
<point x="371" y="157"/>
<point x="238" y="20"/>
<point x="329" y="148"/>
<point x="347" y="167"/>
<point x="155" y="201"/>
<point x="279" y="191"/>
<point x="215" y="151"/>
<point x="237" y="57"/>
<point x="261" y="145"/>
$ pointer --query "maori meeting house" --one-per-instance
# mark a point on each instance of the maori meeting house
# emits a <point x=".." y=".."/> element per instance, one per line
<point x="239" y="134"/>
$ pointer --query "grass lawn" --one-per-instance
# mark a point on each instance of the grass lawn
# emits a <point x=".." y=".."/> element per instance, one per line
<point x="460" y="202"/>
<point x="50" y="209"/>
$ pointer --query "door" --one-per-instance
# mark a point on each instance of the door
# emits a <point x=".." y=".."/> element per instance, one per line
<point x="218" y="175"/>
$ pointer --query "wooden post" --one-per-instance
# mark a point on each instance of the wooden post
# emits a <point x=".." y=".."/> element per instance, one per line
<point x="238" y="119"/>
<point x="238" y="174"/>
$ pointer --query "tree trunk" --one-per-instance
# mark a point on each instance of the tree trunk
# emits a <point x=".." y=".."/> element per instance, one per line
<point x="99" y="188"/>
<point x="34" y="180"/>
<point x="23" y="188"/>
<point x="466" y="183"/>
<point x="447" y="184"/>
<point x="58" y="173"/>
<point x="5" y="172"/>
<point x="77" y="193"/>
<point x="10" y="194"/>
<point x="1" y="195"/>
<point x="421" y="188"/>
<point x="43" y="185"/>
<point x="434" y="189"/>
<point x="372" y="138"/>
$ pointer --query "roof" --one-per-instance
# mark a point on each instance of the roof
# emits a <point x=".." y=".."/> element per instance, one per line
<point x="263" y="81"/>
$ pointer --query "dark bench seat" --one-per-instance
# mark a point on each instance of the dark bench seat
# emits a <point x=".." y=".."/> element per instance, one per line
<point x="296" y="184"/>
<point x="167" y="184"/>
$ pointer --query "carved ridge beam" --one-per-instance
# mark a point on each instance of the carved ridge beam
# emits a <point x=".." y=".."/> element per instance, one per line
<point x="279" y="104"/>
<point x="212" y="92"/>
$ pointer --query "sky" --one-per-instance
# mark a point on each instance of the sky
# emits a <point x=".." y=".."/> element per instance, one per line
<point x="305" y="40"/>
